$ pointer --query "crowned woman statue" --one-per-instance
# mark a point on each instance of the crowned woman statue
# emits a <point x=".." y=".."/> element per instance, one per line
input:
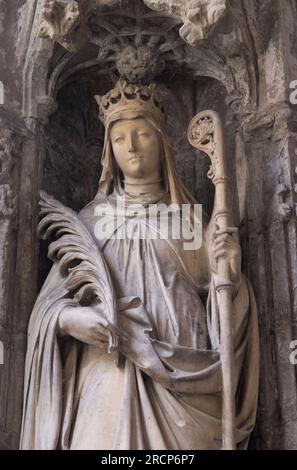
<point x="160" y="385"/>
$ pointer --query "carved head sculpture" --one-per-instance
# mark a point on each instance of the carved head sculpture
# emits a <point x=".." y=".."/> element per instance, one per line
<point x="136" y="146"/>
<point x="127" y="102"/>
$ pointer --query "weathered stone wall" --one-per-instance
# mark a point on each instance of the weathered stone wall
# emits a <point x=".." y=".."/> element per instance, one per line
<point x="12" y="145"/>
<point x="51" y="138"/>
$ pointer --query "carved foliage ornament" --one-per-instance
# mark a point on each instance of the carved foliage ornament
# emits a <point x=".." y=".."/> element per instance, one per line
<point x="60" y="19"/>
<point x="198" y="16"/>
<point x="140" y="64"/>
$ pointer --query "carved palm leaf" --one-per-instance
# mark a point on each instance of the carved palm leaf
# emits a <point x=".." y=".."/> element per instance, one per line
<point x="79" y="258"/>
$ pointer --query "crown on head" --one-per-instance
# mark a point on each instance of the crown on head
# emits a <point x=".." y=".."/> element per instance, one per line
<point x="129" y="97"/>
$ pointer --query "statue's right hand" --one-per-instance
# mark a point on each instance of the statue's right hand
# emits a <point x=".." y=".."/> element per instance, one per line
<point x="84" y="324"/>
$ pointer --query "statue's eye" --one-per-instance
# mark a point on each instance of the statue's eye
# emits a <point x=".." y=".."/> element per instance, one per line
<point x="143" y="134"/>
<point x="118" y="140"/>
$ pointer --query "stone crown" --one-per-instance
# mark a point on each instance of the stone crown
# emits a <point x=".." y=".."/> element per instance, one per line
<point x="129" y="97"/>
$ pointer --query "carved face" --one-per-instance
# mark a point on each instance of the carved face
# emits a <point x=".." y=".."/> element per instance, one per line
<point x="136" y="146"/>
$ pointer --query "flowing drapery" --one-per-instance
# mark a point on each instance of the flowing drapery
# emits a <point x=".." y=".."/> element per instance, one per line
<point x="167" y="394"/>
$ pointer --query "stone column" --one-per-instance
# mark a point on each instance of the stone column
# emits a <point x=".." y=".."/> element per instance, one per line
<point x="7" y="230"/>
<point x="269" y="254"/>
<point x="20" y="164"/>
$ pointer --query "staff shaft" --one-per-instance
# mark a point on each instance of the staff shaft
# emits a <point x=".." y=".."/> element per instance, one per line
<point x="205" y="133"/>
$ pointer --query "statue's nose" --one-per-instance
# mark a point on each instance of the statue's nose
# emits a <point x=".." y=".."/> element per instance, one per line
<point x="131" y="145"/>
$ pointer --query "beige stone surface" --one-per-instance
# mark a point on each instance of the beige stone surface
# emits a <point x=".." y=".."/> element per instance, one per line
<point x="243" y="70"/>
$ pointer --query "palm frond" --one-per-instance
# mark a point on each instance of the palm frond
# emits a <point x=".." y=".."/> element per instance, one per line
<point x="79" y="258"/>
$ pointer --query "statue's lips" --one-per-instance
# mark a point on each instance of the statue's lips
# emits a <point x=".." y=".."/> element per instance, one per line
<point x="135" y="158"/>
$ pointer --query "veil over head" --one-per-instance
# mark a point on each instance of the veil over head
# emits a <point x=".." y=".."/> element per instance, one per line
<point x="128" y="101"/>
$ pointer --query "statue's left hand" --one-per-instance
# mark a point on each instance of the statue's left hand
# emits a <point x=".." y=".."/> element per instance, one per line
<point x="225" y="243"/>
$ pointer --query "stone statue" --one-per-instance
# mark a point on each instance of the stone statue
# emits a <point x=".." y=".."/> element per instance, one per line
<point x="124" y="339"/>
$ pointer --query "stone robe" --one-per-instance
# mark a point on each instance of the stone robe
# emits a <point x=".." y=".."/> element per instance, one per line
<point x="167" y="392"/>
